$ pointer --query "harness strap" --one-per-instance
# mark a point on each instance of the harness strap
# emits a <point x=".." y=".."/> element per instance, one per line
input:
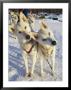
<point x="30" y="49"/>
<point x="33" y="43"/>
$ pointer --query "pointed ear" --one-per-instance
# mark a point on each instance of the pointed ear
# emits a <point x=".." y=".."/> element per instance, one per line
<point x="44" y="25"/>
<point x="22" y="16"/>
<point x="11" y="29"/>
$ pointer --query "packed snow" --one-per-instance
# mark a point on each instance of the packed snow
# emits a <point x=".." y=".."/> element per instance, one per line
<point x="16" y="65"/>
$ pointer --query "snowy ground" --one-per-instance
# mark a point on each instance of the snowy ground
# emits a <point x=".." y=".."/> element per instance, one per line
<point x="16" y="64"/>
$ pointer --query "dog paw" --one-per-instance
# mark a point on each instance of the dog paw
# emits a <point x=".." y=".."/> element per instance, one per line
<point x="29" y="74"/>
<point x="54" y="76"/>
<point x="33" y="76"/>
<point x="43" y="76"/>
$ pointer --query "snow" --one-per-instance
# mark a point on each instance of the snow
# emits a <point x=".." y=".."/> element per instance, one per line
<point x="16" y="65"/>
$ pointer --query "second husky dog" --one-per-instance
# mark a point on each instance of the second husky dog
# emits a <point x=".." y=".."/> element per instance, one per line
<point x="48" y="47"/>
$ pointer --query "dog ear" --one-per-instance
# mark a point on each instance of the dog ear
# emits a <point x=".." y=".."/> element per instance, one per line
<point x="10" y="29"/>
<point x="22" y="16"/>
<point x="44" y="25"/>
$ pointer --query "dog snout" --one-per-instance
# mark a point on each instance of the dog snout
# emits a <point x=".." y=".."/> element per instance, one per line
<point x="53" y="42"/>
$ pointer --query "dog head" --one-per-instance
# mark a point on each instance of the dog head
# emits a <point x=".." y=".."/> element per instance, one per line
<point x="22" y="31"/>
<point x="46" y="34"/>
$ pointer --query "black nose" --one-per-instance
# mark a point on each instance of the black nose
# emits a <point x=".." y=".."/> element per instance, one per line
<point x="27" y="37"/>
<point x="53" y="42"/>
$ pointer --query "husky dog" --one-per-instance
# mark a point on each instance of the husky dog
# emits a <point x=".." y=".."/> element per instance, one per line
<point x="47" y="46"/>
<point x="25" y="38"/>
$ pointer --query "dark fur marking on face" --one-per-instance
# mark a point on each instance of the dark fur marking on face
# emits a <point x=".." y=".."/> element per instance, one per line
<point x="44" y="39"/>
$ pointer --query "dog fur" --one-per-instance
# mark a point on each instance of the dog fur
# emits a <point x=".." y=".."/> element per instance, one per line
<point x="48" y="50"/>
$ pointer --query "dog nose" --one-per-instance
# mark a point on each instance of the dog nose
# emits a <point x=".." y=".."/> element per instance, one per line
<point x="27" y="37"/>
<point x="53" y="42"/>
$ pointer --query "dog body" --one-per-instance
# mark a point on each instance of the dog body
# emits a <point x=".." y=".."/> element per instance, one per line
<point x="48" y="47"/>
<point x="22" y="31"/>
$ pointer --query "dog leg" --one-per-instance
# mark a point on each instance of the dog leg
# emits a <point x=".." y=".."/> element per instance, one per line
<point x="25" y="57"/>
<point x="53" y="63"/>
<point x="34" y="62"/>
<point x="49" y="64"/>
<point x="41" y="58"/>
<point x="41" y="62"/>
<point x="53" y="68"/>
